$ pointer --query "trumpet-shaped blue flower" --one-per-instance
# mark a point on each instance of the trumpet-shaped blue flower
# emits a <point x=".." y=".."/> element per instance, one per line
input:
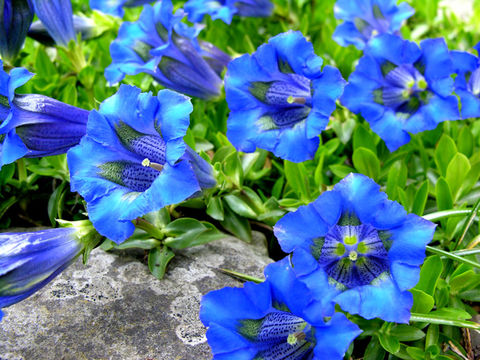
<point x="225" y="9"/>
<point x="364" y="19"/>
<point x="115" y="7"/>
<point x="35" y="125"/>
<point x="82" y="25"/>
<point x="467" y="83"/>
<point x="57" y="16"/>
<point x="133" y="160"/>
<point x="15" y="19"/>
<point x="29" y="261"/>
<point x="355" y="247"/>
<point x="400" y="88"/>
<point x="280" y="99"/>
<point x="274" y="320"/>
<point x="160" y="45"/>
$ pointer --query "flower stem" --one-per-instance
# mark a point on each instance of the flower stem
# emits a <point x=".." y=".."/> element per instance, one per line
<point x="468" y="223"/>
<point x="453" y="256"/>
<point x="436" y="216"/>
<point x="149" y="228"/>
<point x="241" y="276"/>
<point x="22" y="171"/>
<point x="435" y="319"/>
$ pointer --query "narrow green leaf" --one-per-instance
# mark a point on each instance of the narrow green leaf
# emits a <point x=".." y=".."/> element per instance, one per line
<point x="389" y="343"/>
<point x="442" y="320"/>
<point x="445" y="151"/>
<point x="363" y="138"/>
<point x="443" y="194"/>
<point x="429" y="274"/>
<point x="457" y="170"/>
<point x="397" y="178"/>
<point x="465" y="141"/>
<point x="366" y="162"/>
<point x="453" y="256"/>
<point x="158" y="260"/>
<point x="422" y="302"/>
<point x="237" y="225"/>
<point x="215" y="208"/>
<point x="420" y="199"/>
<point x="297" y="177"/>
<point x="439" y="215"/>
<point x="188" y="232"/>
<point x="406" y="333"/>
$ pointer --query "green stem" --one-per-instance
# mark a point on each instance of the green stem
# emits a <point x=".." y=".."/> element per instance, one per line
<point x="22" y="170"/>
<point x="468" y="223"/>
<point x="434" y="319"/>
<point x="466" y="252"/>
<point x="446" y="214"/>
<point x="149" y="228"/>
<point x="241" y="276"/>
<point x="453" y="256"/>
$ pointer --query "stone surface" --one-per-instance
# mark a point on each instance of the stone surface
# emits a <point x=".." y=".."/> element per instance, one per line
<point x="114" y="309"/>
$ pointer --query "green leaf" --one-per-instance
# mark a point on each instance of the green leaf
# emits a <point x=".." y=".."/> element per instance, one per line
<point x="443" y="320"/>
<point x="429" y="274"/>
<point x="416" y="353"/>
<point x="138" y="243"/>
<point x="43" y="65"/>
<point x="457" y="170"/>
<point x="406" y="333"/>
<point x="422" y="302"/>
<point x="341" y="170"/>
<point x="215" y="208"/>
<point x="451" y="314"/>
<point x="239" y="206"/>
<point x="443" y="194"/>
<point x="464" y="281"/>
<point x="366" y="162"/>
<point x="445" y="151"/>
<point x="420" y="199"/>
<point x="232" y="167"/>
<point x="6" y="173"/>
<point x="55" y="203"/>
<point x="465" y="141"/>
<point x="188" y="232"/>
<point x="158" y="260"/>
<point x="297" y="177"/>
<point x="363" y="138"/>
<point x="389" y="343"/>
<point x="237" y="225"/>
<point x="374" y="350"/>
<point x="397" y="178"/>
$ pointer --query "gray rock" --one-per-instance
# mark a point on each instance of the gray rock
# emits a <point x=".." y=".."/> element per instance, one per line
<point x="114" y="309"/>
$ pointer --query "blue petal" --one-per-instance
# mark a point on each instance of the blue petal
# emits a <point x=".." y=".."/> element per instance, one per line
<point x="405" y="276"/>
<point x="12" y="148"/>
<point x="228" y="305"/>
<point x="297" y="229"/>
<point x="403" y="12"/>
<point x="384" y="301"/>
<point x="391" y="130"/>
<point x="437" y="60"/>
<point x="334" y="338"/>
<point x="394" y="49"/>
<point x="470" y="104"/>
<point x="57" y="16"/>
<point x="18" y="77"/>
<point x="348" y="34"/>
<point x="110" y="7"/>
<point x="242" y="130"/>
<point x="410" y="239"/>
<point x="293" y="144"/>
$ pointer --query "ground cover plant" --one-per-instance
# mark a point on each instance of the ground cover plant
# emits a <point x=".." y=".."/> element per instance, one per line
<point x="346" y="131"/>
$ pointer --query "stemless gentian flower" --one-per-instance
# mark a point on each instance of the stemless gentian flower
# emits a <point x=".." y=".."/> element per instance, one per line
<point x="82" y="25"/>
<point x="277" y="319"/>
<point x="133" y="159"/>
<point x="35" y="125"/>
<point x="364" y="19"/>
<point x="399" y="88"/>
<point x="115" y="7"/>
<point x="354" y="246"/>
<point x="29" y="261"/>
<point x="160" y="45"/>
<point x="57" y="16"/>
<point x="280" y="99"/>
<point x="467" y="83"/>
<point x="15" y="19"/>
<point x="225" y="9"/>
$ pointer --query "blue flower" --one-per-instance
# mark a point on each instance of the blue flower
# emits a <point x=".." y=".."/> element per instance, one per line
<point x="399" y="88"/>
<point x="82" y="25"/>
<point x="364" y="19"/>
<point x="160" y="45"/>
<point x="467" y="83"/>
<point x="57" y="16"/>
<point x="115" y="7"/>
<point x="225" y="9"/>
<point x="133" y="160"/>
<point x="355" y="247"/>
<point x="35" y="125"/>
<point x="280" y="99"/>
<point x="15" y="19"/>
<point x="277" y="319"/>
<point x="29" y="261"/>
